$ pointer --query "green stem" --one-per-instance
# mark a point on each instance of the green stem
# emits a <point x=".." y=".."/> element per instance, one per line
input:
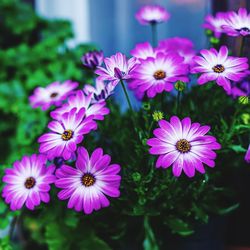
<point x="126" y="94"/>
<point x="12" y="227"/>
<point x="154" y="34"/>
<point x="178" y="103"/>
<point x="150" y="242"/>
<point x="243" y="39"/>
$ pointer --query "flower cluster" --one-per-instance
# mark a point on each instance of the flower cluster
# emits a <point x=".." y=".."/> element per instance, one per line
<point x="159" y="68"/>
<point x="86" y="180"/>
<point x="230" y="23"/>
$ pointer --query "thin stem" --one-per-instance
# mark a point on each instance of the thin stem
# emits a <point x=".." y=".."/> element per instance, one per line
<point x="178" y="103"/>
<point x="126" y="94"/>
<point x="243" y="39"/>
<point x="12" y="227"/>
<point x="154" y="34"/>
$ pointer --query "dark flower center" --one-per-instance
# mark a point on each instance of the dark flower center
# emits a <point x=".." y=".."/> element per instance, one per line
<point x="245" y="29"/>
<point x="183" y="146"/>
<point x="67" y="134"/>
<point x="88" y="180"/>
<point x="159" y="74"/>
<point x="53" y="95"/>
<point x="218" y="68"/>
<point x="30" y="182"/>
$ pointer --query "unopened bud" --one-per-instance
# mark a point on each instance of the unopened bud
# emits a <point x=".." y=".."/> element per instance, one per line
<point x="157" y="116"/>
<point x="180" y="86"/>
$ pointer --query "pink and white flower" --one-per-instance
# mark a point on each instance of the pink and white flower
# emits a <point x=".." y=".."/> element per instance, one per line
<point x="151" y="14"/>
<point x="54" y="94"/>
<point x="79" y="101"/>
<point x="155" y="75"/>
<point x="238" y="24"/>
<point x="100" y="92"/>
<point x="28" y="182"/>
<point x="65" y="135"/>
<point x="87" y="185"/>
<point x="219" y="67"/>
<point x="215" y="23"/>
<point x="184" y="146"/>
<point x="117" y="68"/>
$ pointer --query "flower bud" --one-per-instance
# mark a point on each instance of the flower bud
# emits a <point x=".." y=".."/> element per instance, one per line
<point x="157" y="116"/>
<point x="180" y="86"/>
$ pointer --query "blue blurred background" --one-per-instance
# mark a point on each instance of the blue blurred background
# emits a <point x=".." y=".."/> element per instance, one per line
<point x="111" y="25"/>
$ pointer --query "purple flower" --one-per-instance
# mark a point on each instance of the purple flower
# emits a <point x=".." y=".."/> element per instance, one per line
<point x="143" y="51"/>
<point x="117" y="68"/>
<point x="79" y="101"/>
<point x="100" y="92"/>
<point x="238" y="24"/>
<point x="28" y="182"/>
<point x="240" y="88"/>
<point x="215" y="23"/>
<point x="53" y="94"/>
<point x="87" y="185"/>
<point x="183" y="145"/>
<point x="247" y="156"/>
<point x="92" y="59"/>
<point x="182" y="46"/>
<point x="151" y="14"/>
<point x="219" y="67"/>
<point x="66" y="134"/>
<point x="155" y="75"/>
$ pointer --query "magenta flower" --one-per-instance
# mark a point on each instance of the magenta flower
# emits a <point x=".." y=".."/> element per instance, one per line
<point x="151" y="14"/>
<point x="219" y="67"/>
<point x="66" y="134"/>
<point x="28" y="182"/>
<point x="143" y="51"/>
<point x="87" y="185"/>
<point x="240" y="88"/>
<point x="117" y="68"/>
<point x="155" y="75"/>
<point x="182" y="46"/>
<point x="183" y="145"/>
<point x="53" y="94"/>
<point x="247" y="156"/>
<point x="238" y="24"/>
<point x="215" y="23"/>
<point x="79" y="101"/>
<point x="92" y="59"/>
<point x="100" y="92"/>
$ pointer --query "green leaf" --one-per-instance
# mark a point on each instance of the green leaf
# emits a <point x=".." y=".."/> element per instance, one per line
<point x="179" y="226"/>
<point x="237" y="148"/>
<point x="56" y="238"/>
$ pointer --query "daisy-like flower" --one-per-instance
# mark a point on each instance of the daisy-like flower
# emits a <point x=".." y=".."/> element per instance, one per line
<point x="143" y="51"/>
<point x="117" y="68"/>
<point x="100" y="92"/>
<point x="183" y="145"/>
<point x="155" y="75"/>
<point x="219" y="67"/>
<point x="87" y="185"/>
<point x="53" y="94"/>
<point x="215" y="23"/>
<point x="238" y="24"/>
<point x="66" y="134"/>
<point x="92" y="59"/>
<point x="247" y="156"/>
<point x="28" y="182"/>
<point x="151" y="14"/>
<point x="78" y="101"/>
<point x="182" y="46"/>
